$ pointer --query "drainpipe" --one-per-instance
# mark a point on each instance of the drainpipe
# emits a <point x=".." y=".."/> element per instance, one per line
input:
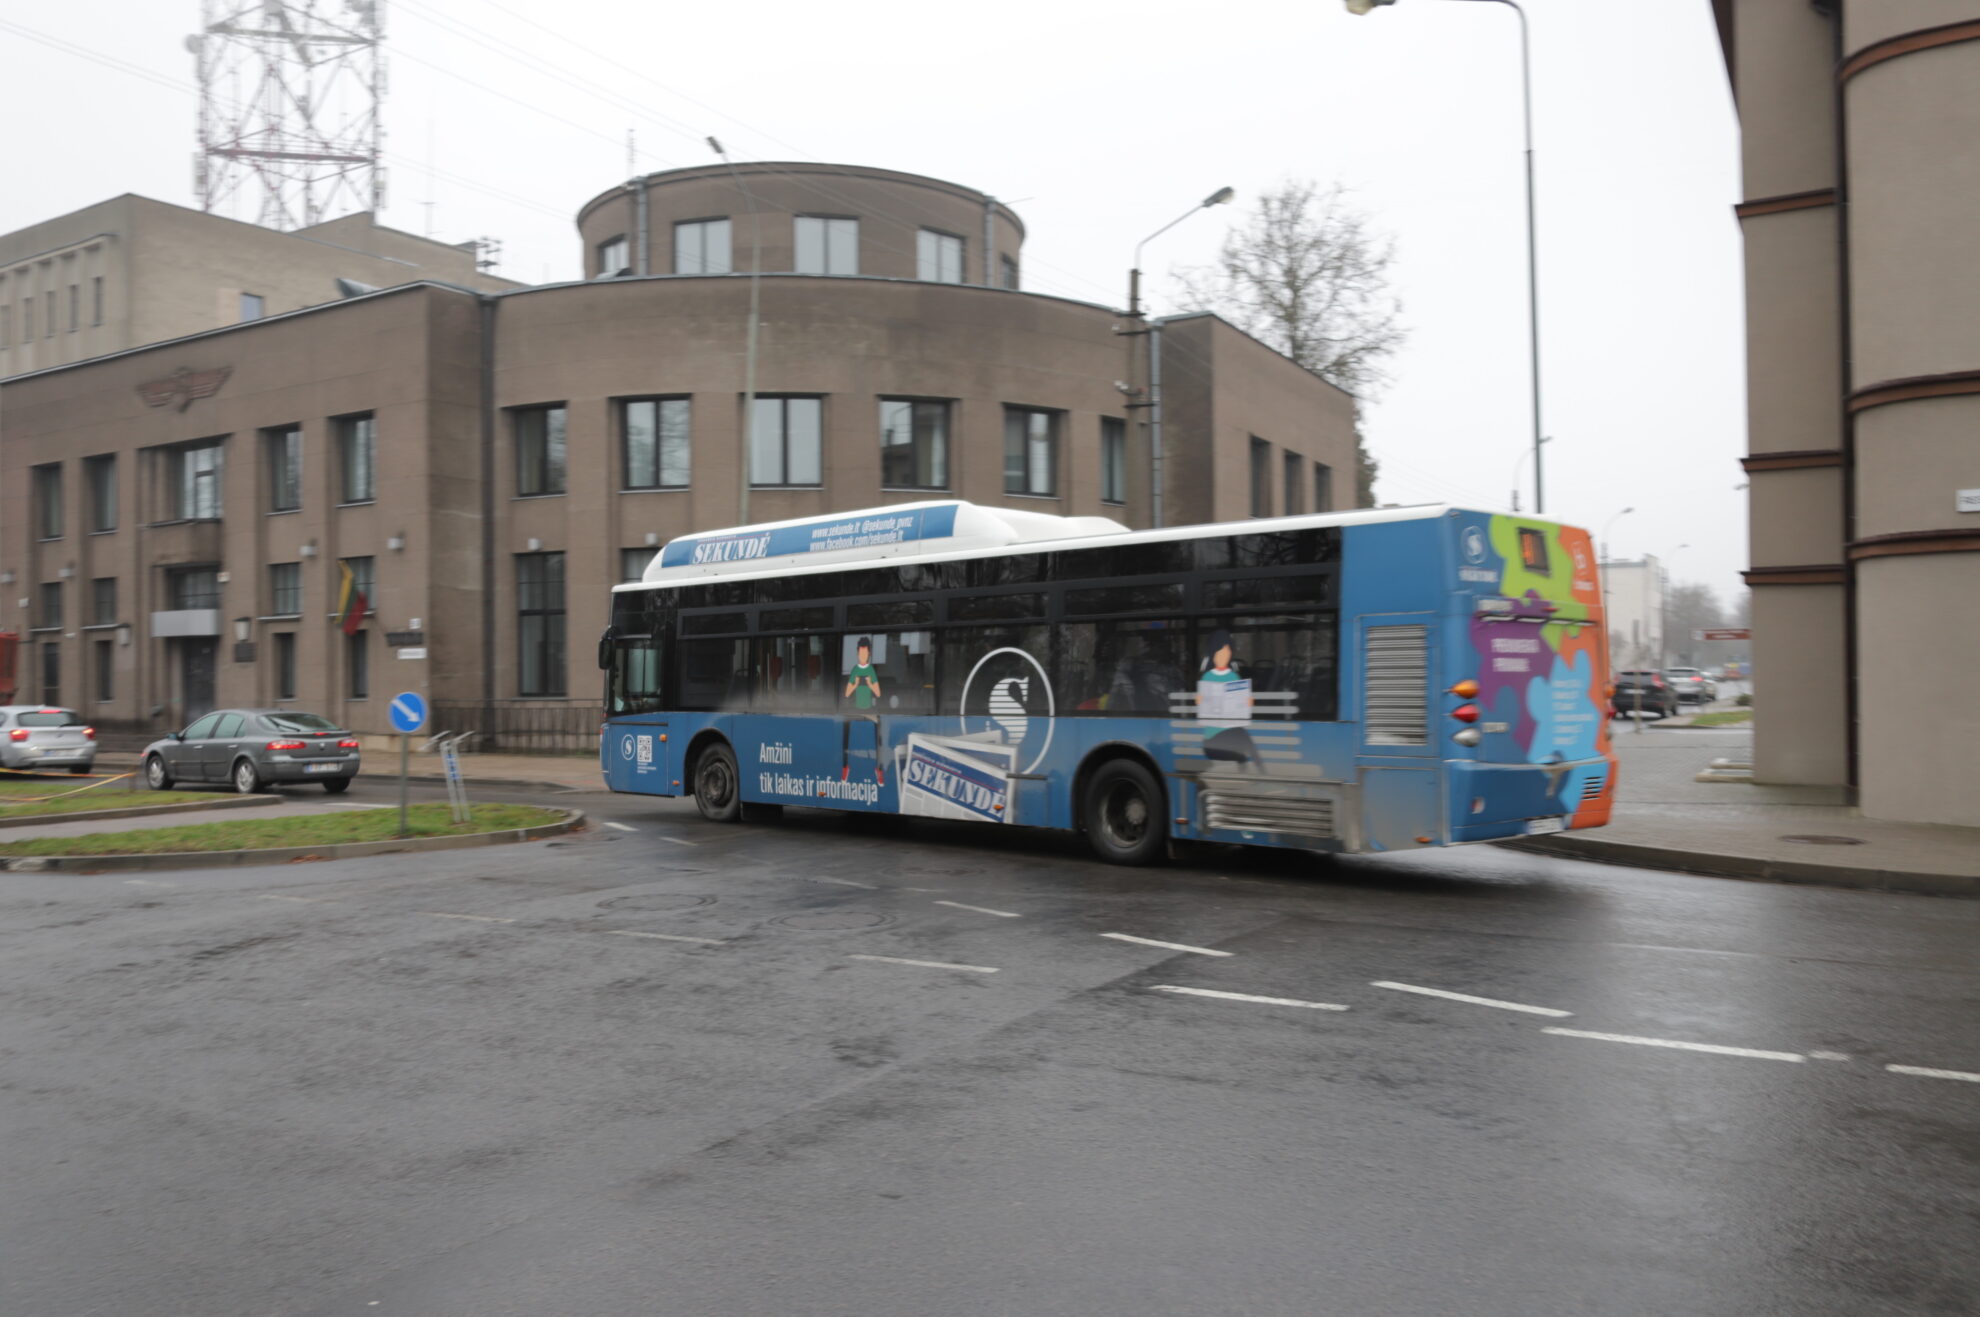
<point x="1155" y="421"/>
<point x="989" y="241"/>
<point x="642" y="262"/>
<point x="488" y="501"/>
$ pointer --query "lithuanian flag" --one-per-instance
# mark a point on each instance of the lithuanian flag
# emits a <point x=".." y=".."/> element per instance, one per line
<point x="351" y="603"/>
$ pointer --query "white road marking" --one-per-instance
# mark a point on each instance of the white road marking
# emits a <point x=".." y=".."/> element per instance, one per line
<point x="307" y="900"/>
<point x="1168" y="946"/>
<point x="667" y="937"/>
<point x="479" y="919"/>
<point x="1928" y="1073"/>
<point x="620" y="826"/>
<point x="146" y="882"/>
<point x="847" y="882"/>
<point x="1245" y="996"/>
<point x="1672" y="1042"/>
<point x="982" y="910"/>
<point x="1475" y="1001"/>
<point x="929" y="964"/>
<point x="1828" y="1056"/>
<point x="677" y="841"/>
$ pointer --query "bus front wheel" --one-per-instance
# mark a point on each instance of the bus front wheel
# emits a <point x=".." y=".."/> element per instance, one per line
<point x="717" y="785"/>
<point x="1124" y="811"/>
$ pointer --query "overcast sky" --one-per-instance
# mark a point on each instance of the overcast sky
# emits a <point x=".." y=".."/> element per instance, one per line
<point x="1100" y="122"/>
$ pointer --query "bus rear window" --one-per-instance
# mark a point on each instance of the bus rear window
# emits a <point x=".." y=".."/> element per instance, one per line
<point x="1533" y="551"/>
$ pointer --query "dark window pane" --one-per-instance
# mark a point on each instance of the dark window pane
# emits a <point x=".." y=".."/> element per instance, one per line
<point x="1126" y="599"/>
<point x="714" y="674"/>
<point x="1260" y="591"/>
<point x="1140" y="668"/>
<point x="991" y="607"/>
<point x="1001" y="691"/>
<point x="796" y="619"/>
<point x="903" y="612"/>
<point x="1016" y="569"/>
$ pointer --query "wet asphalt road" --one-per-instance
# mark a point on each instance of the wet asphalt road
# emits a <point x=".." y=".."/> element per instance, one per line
<point x="456" y="1085"/>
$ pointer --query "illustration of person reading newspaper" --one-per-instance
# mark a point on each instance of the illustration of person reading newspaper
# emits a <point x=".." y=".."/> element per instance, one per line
<point x="1223" y="699"/>
<point x="863" y="689"/>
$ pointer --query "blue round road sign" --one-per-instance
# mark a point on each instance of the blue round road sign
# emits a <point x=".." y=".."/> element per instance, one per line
<point x="408" y="711"/>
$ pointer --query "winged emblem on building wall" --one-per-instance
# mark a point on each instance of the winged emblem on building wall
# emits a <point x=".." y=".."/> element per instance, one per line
<point x="183" y="386"/>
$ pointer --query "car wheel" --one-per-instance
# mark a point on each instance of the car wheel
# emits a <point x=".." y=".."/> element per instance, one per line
<point x="717" y="785"/>
<point x="337" y="786"/>
<point x="1125" y="813"/>
<point x="156" y="775"/>
<point x="247" y="779"/>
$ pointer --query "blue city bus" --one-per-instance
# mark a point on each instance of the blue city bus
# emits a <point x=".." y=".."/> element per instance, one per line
<point x="1344" y="682"/>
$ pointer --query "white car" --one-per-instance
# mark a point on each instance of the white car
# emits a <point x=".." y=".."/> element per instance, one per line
<point x="38" y="736"/>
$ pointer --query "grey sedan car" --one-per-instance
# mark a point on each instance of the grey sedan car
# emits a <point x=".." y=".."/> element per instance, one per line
<point x="252" y="748"/>
<point x="40" y="736"/>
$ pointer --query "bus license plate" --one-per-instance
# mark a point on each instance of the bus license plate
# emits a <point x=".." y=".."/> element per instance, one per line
<point x="1537" y="826"/>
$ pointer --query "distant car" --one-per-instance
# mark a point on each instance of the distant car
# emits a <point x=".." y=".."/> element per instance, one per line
<point x="1645" y="689"/>
<point x="249" y="749"/>
<point x="40" y="736"/>
<point x="1692" y="685"/>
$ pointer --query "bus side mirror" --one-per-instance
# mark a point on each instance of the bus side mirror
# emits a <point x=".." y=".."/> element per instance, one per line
<point x="605" y="648"/>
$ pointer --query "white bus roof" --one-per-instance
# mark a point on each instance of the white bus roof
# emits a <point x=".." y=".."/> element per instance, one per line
<point x="937" y="531"/>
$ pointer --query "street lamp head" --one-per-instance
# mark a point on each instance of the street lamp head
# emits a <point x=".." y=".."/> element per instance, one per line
<point x="716" y="147"/>
<point x="1219" y="197"/>
<point x="1365" y="6"/>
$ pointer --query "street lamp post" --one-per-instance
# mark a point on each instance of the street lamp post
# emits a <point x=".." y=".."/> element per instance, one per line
<point x="1532" y="240"/>
<point x="749" y="350"/>
<point x="1154" y="333"/>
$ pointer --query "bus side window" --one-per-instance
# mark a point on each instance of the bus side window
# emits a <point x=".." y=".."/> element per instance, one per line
<point x="635" y="676"/>
<point x="792" y="676"/>
<point x="715" y="675"/>
<point x="885" y="671"/>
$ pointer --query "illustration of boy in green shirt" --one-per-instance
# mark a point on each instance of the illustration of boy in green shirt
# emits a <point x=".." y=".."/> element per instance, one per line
<point x="863" y="683"/>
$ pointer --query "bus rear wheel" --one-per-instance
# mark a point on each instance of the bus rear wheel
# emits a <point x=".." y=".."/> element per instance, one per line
<point x="717" y="785"/>
<point x="1125" y="813"/>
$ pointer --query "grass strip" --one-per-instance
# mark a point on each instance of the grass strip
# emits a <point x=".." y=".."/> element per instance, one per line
<point x="1724" y="718"/>
<point x="26" y="797"/>
<point x="326" y="829"/>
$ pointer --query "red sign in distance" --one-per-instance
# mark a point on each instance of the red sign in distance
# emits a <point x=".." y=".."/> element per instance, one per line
<point x="1725" y="633"/>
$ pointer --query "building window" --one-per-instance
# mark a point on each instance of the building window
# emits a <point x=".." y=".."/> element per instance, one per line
<point x="285" y="664"/>
<point x="1295" y="469"/>
<point x="1261" y="477"/>
<point x="6" y="324"/>
<point x="49" y="320"/>
<point x="1113" y="460"/>
<point x="539" y="450"/>
<point x="612" y="254"/>
<point x="192" y="587"/>
<point x="634" y="562"/>
<point x="357" y="664"/>
<point x="284" y="468"/>
<point x="827" y="245"/>
<point x="195" y="474"/>
<point x="103" y="601"/>
<point x="364" y="581"/>
<point x="785" y="441"/>
<point x="1010" y="272"/>
<point x="27" y="318"/>
<point x="1323" y="487"/>
<point x="96" y="300"/>
<point x="702" y="247"/>
<point x="1031" y="451"/>
<point x="285" y="589"/>
<point x="357" y="457"/>
<point x="253" y="306"/>
<point x="914" y="444"/>
<point x="656" y="442"/>
<point x="540" y="623"/>
<point x="106" y="670"/>
<point x="48" y="501"/>
<point x="100" y="474"/>
<point x="75" y="307"/>
<point x="940" y="257"/>
<point x="51" y="669"/>
<point x="48" y="610"/>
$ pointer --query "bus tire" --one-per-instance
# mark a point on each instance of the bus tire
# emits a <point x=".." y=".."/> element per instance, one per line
<point x="717" y="784"/>
<point x="1125" y="813"/>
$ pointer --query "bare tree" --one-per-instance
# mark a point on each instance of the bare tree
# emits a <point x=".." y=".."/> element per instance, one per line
<point x="1307" y="274"/>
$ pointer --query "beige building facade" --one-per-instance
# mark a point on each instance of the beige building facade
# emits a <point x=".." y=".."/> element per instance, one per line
<point x="131" y="270"/>
<point x="1862" y="182"/>
<point x="175" y="518"/>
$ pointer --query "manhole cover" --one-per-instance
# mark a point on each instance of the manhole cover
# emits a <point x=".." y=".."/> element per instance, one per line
<point x="834" y="920"/>
<point x="1811" y="839"/>
<point x="656" y="901"/>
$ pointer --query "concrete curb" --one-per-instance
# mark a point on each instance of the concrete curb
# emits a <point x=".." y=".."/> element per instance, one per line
<point x="573" y="819"/>
<point x="440" y="779"/>
<point x="1601" y="851"/>
<point x="137" y="811"/>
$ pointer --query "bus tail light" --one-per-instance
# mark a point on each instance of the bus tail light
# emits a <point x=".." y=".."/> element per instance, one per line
<point x="1465" y="713"/>
<point x="1467" y="736"/>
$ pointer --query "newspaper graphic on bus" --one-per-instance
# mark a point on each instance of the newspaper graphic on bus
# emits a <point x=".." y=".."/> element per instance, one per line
<point x="956" y="777"/>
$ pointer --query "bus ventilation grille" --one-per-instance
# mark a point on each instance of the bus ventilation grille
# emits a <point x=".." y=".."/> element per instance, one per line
<point x="1593" y="790"/>
<point x="1395" y="674"/>
<point x="1242" y="811"/>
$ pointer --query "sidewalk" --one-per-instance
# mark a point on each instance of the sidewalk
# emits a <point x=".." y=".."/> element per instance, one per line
<point x="1667" y="819"/>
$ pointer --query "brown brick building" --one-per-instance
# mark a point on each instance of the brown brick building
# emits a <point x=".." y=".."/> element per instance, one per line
<point x="174" y="515"/>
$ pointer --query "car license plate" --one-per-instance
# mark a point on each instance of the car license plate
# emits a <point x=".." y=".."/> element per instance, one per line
<point x="1536" y="826"/>
<point x="322" y="768"/>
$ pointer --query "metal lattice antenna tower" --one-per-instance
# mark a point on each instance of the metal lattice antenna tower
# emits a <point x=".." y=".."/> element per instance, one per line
<point x="289" y="95"/>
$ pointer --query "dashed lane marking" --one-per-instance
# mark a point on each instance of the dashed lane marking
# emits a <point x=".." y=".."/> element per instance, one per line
<point x="1245" y="996"/>
<point x="928" y="964"/>
<point x="306" y="900"/>
<point x="479" y="919"/>
<point x="678" y="841"/>
<point x="1475" y="1001"/>
<point x="1714" y="1048"/>
<point x="668" y="937"/>
<point x="1928" y="1073"/>
<point x="982" y="910"/>
<point x="846" y="882"/>
<point x="146" y="882"/>
<point x="1167" y="946"/>
<point x="620" y="826"/>
<point x="1828" y="1056"/>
